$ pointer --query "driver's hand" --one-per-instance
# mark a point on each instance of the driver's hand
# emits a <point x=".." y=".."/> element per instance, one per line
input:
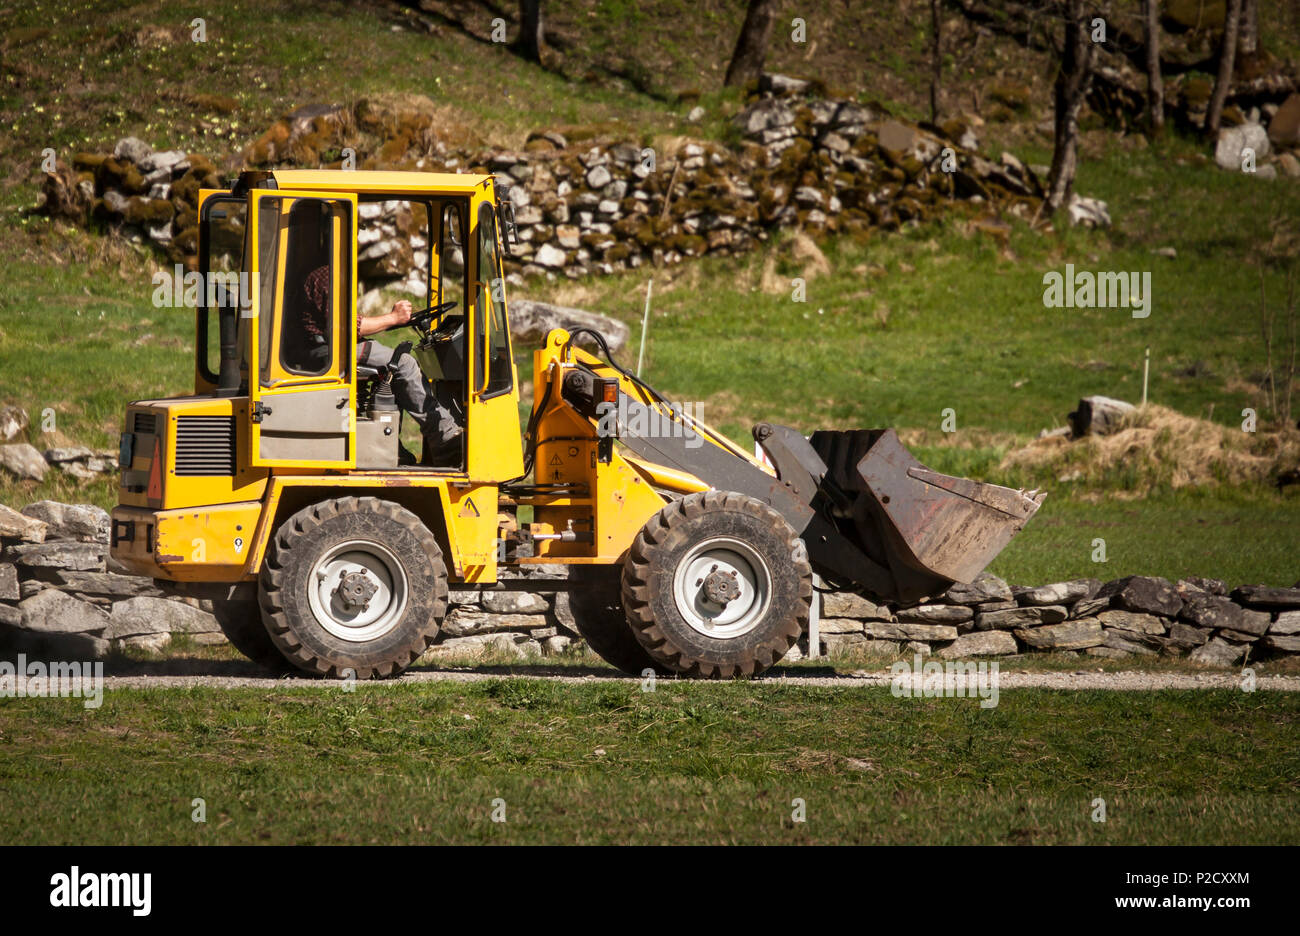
<point x="401" y="312"/>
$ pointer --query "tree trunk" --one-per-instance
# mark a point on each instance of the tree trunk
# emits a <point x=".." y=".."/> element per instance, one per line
<point x="1248" y="37"/>
<point x="1155" y="83"/>
<point x="1227" y="60"/>
<point x="936" y="74"/>
<point x="751" y="47"/>
<point x="1071" y="88"/>
<point x="531" y="31"/>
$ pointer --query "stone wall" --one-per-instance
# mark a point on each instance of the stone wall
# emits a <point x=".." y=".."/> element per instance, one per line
<point x="588" y="199"/>
<point x="60" y="596"/>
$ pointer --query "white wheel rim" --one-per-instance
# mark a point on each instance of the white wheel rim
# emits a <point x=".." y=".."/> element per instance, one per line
<point x="743" y="566"/>
<point x="372" y="565"/>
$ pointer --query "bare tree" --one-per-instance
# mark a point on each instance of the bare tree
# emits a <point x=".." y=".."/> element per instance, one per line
<point x="1155" y="83"/>
<point x="1071" y="87"/>
<point x="751" y="47"/>
<point x="936" y="64"/>
<point x="1227" y="61"/>
<point x="532" y="33"/>
<point x="1248" y="37"/>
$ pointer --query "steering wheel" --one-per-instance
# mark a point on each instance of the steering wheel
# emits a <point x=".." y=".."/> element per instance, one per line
<point x="421" y="320"/>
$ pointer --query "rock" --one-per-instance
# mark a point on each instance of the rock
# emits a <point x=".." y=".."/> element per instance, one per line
<point x="883" y="630"/>
<point x="849" y="605"/>
<point x="1124" y="642"/>
<point x="164" y="161"/>
<point x="1259" y="596"/>
<point x="1087" y="212"/>
<point x="1186" y="636"/>
<point x="514" y="602"/>
<point x="1143" y="593"/>
<point x="53" y="612"/>
<point x="1217" y="652"/>
<point x="132" y="149"/>
<point x="1108" y="653"/>
<point x="1194" y="583"/>
<point x="1087" y="607"/>
<point x="78" y="557"/>
<point x="1098" y="415"/>
<point x="1237" y="636"/>
<point x="1234" y="141"/>
<point x="56" y="456"/>
<point x="13" y="421"/>
<point x="558" y="644"/>
<point x="917" y="647"/>
<point x="1289" y="166"/>
<point x="106" y="584"/>
<point x="997" y="605"/>
<point x="1282" y="643"/>
<point x="1288" y="622"/>
<point x="520" y="645"/>
<point x="9" y="617"/>
<point x="1019" y="617"/>
<point x="548" y="256"/>
<point x="1284" y="128"/>
<point x="781" y="84"/>
<point x="839" y="626"/>
<point x="463" y="623"/>
<point x="144" y="615"/>
<point x="598" y="177"/>
<point x="530" y="321"/>
<point x="8" y="582"/>
<point x="23" y="461"/>
<point x="14" y="525"/>
<point x="1072" y="635"/>
<point x="936" y="614"/>
<point x="981" y="643"/>
<point x="84" y="522"/>
<point x="986" y="587"/>
<point x="1061" y="593"/>
<point x="153" y="643"/>
<point x="1130" y="621"/>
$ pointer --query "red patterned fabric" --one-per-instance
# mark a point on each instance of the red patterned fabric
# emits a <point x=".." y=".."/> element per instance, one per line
<point x="317" y="288"/>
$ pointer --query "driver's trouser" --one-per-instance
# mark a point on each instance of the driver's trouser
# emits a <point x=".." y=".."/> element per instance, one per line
<point x="434" y="416"/>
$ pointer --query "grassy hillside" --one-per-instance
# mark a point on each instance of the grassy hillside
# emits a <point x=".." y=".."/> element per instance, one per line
<point x="902" y="328"/>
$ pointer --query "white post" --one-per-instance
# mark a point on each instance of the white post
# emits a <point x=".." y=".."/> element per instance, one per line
<point x="814" y="619"/>
<point x="645" y="325"/>
<point x="1146" y="372"/>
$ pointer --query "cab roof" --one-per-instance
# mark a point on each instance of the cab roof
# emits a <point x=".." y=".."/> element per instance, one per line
<point x="365" y="181"/>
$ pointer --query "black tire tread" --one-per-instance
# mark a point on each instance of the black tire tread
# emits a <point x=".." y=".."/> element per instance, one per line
<point x="276" y="601"/>
<point x="643" y="570"/>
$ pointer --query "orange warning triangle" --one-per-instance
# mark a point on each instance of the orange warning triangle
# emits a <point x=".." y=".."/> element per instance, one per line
<point x="555" y="460"/>
<point x="469" y="510"/>
<point x="155" y="473"/>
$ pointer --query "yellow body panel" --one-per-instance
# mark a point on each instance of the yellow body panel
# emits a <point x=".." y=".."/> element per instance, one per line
<point x="210" y="544"/>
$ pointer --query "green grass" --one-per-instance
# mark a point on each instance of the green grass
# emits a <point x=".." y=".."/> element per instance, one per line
<point x="607" y="763"/>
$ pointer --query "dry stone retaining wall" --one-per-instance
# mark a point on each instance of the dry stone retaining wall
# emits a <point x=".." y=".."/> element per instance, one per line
<point x="60" y="596"/>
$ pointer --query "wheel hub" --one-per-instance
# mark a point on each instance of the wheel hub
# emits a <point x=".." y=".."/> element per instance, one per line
<point x="355" y="590"/>
<point x="358" y="591"/>
<point x="721" y="587"/>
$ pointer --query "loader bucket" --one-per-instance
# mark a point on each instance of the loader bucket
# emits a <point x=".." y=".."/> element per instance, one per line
<point x="928" y="529"/>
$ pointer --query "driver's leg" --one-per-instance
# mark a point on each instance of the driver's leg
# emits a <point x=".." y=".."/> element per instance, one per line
<point x="434" y="416"/>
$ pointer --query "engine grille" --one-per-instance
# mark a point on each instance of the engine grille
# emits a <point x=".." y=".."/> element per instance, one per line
<point x="144" y="423"/>
<point x="205" y="445"/>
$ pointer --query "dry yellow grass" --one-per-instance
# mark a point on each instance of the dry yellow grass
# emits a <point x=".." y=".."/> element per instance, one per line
<point x="1159" y="447"/>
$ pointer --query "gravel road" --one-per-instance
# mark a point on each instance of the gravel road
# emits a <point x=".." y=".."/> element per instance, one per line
<point x="231" y="676"/>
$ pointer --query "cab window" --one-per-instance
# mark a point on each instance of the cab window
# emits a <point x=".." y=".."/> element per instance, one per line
<point x="494" y="336"/>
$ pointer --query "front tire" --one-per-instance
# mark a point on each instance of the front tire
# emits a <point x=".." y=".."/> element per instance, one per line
<point x="717" y="585"/>
<point x="353" y="585"/>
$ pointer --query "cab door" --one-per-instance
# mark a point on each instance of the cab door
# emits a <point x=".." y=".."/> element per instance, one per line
<point x="494" y="451"/>
<point x="301" y="328"/>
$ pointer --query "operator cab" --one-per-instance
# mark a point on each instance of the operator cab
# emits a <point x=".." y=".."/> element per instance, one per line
<point x="287" y="263"/>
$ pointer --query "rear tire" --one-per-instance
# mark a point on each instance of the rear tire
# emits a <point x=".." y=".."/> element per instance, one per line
<point x="241" y="622"/>
<point x="353" y="584"/>
<point x="717" y="585"/>
<point x="597" y="607"/>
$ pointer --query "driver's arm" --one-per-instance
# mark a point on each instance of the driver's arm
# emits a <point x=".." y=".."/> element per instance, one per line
<point x="400" y="315"/>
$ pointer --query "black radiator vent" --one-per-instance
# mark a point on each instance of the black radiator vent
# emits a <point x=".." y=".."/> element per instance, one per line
<point x="205" y="445"/>
<point x="144" y="423"/>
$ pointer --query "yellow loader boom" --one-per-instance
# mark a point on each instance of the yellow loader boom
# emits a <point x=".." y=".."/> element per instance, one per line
<point x="281" y="487"/>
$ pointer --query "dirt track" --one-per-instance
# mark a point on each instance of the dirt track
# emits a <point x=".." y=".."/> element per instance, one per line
<point x="239" y="675"/>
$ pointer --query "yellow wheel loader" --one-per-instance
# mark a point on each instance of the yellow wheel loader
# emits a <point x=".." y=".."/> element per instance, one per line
<point x="280" y="488"/>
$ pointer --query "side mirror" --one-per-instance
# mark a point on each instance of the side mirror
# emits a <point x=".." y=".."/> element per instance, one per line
<point x="509" y="228"/>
